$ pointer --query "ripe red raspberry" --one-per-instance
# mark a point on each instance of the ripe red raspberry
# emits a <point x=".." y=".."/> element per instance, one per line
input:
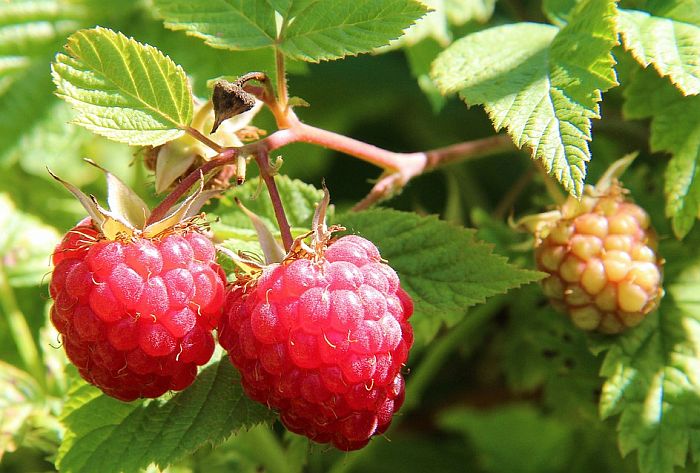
<point x="136" y="314"/>
<point x="602" y="259"/>
<point x="322" y="339"/>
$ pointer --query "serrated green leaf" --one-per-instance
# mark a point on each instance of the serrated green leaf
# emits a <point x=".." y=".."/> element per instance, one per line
<point x="122" y="89"/>
<point x="545" y="90"/>
<point x="443" y="267"/>
<point x="432" y="25"/>
<point x="653" y="372"/>
<point x="675" y="128"/>
<point x="228" y="24"/>
<point x="106" y="435"/>
<point x="25" y="244"/>
<point x="671" y="47"/>
<point x="332" y="29"/>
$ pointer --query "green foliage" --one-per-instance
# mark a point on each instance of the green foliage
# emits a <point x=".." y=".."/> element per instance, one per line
<point x="320" y="31"/>
<point x="512" y="426"/>
<point x="24" y="245"/>
<point x="518" y="389"/>
<point x="675" y="123"/>
<point x="443" y="267"/>
<point x="671" y="47"/>
<point x="652" y="373"/>
<point x="111" y="436"/>
<point x="122" y="89"/>
<point x="542" y="93"/>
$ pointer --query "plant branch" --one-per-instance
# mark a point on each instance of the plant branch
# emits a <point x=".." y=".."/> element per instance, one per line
<point x="21" y="333"/>
<point x="264" y="165"/>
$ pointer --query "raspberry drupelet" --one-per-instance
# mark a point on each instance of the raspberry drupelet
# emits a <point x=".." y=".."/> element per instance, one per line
<point x="602" y="261"/>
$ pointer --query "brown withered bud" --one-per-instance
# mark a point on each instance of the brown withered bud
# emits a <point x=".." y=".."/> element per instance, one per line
<point x="230" y="99"/>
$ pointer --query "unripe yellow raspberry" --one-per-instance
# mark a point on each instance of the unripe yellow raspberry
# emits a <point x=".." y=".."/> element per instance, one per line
<point x="601" y="258"/>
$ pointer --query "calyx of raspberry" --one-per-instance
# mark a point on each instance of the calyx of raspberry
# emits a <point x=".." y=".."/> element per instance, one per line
<point x="127" y="216"/>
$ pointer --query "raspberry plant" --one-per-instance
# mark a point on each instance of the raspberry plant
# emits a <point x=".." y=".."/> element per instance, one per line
<point x="245" y="324"/>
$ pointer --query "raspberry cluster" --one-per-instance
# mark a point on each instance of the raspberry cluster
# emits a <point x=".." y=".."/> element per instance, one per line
<point x="602" y="261"/>
<point x="322" y="340"/>
<point x="136" y="315"/>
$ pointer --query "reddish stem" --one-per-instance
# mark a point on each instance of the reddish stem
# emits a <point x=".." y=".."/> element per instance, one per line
<point x="224" y="157"/>
<point x="264" y="164"/>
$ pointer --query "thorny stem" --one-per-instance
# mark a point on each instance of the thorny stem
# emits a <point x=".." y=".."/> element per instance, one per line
<point x="264" y="164"/>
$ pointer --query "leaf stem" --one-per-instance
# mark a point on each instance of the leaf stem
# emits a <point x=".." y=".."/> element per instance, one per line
<point x="196" y="134"/>
<point x="466" y="334"/>
<point x="282" y="97"/>
<point x="263" y="161"/>
<point x="21" y="333"/>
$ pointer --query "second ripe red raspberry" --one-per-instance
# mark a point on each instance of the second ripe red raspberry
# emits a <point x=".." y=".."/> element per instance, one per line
<point x="322" y="340"/>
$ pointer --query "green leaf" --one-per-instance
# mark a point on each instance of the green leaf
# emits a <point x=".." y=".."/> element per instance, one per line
<point x="443" y="267"/>
<point x="672" y="47"/>
<point x="675" y="128"/>
<point x="106" y="435"/>
<point x="298" y="199"/>
<point x="559" y="11"/>
<point x="432" y="25"/>
<point x="228" y="24"/>
<point x="332" y="29"/>
<point x="25" y="245"/>
<point x="514" y="439"/>
<point x="545" y="90"/>
<point x="122" y="89"/>
<point x="652" y="372"/>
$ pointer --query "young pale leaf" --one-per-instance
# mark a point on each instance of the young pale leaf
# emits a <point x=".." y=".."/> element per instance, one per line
<point x="653" y="373"/>
<point x="443" y="267"/>
<point x="25" y="244"/>
<point x="675" y="128"/>
<point x="106" y="435"/>
<point x="332" y="29"/>
<point x="542" y="92"/>
<point x="237" y="25"/>
<point x="672" y="47"/>
<point x="122" y="89"/>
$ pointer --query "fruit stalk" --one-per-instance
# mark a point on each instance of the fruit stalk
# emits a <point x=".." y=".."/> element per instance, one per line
<point x="263" y="161"/>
